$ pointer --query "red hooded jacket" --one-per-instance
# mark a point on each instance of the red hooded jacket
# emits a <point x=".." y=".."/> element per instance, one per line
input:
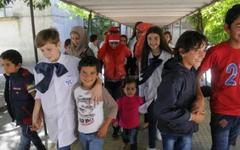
<point x="114" y="59"/>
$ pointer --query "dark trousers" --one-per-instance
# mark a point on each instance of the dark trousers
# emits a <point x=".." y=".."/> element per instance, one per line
<point x="27" y="136"/>
<point x="152" y="127"/>
<point x="114" y="88"/>
<point x="130" y="136"/>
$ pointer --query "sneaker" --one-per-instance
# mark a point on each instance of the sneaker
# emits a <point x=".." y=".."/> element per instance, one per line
<point x="158" y="135"/>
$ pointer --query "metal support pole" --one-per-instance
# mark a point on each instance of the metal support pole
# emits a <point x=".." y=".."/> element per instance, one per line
<point x="33" y="30"/>
<point x="4" y="11"/>
<point x="201" y="21"/>
<point x="180" y="27"/>
<point x="35" y="49"/>
<point x="120" y="28"/>
<point x="89" y="30"/>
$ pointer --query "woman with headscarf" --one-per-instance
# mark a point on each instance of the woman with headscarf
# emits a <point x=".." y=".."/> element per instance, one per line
<point x="79" y="43"/>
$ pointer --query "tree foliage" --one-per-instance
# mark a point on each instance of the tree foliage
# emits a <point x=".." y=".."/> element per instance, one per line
<point x="73" y="10"/>
<point x="5" y="2"/>
<point x="212" y="18"/>
<point x="99" y="24"/>
<point x="40" y="4"/>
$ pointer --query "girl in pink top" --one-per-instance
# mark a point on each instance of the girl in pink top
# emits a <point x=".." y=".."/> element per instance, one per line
<point x="128" y="113"/>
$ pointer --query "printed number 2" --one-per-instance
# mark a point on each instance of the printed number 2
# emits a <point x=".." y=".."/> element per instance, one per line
<point x="233" y="69"/>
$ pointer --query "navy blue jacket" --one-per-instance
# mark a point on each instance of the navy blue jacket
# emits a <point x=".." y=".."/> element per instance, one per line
<point x="176" y="94"/>
<point x="20" y="102"/>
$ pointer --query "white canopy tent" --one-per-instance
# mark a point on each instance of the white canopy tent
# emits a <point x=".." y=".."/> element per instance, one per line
<point x="159" y="12"/>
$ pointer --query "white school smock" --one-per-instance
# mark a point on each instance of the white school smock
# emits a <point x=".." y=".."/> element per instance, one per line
<point x="58" y="104"/>
<point x="148" y="89"/>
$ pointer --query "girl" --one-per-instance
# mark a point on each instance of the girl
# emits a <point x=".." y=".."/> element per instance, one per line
<point x="168" y="38"/>
<point x="154" y="53"/>
<point x="128" y="113"/>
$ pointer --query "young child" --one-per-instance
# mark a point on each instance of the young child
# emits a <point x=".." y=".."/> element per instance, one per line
<point x="55" y="77"/>
<point x="124" y="40"/>
<point x="128" y="113"/>
<point x="18" y="94"/>
<point x="155" y="53"/>
<point x="67" y="46"/>
<point x="177" y="92"/>
<point x="92" y="126"/>
<point x="223" y="60"/>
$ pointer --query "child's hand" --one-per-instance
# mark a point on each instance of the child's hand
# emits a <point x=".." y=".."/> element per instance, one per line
<point x="36" y="124"/>
<point x="198" y="117"/>
<point x="37" y="116"/>
<point x="102" y="132"/>
<point x="115" y="122"/>
<point x="198" y="105"/>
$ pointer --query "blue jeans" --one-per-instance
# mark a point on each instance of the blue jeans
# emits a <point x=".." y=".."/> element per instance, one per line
<point x="176" y="142"/>
<point x="224" y="130"/>
<point x="91" y="141"/>
<point x="27" y="136"/>
<point x="130" y="136"/>
<point x="68" y="147"/>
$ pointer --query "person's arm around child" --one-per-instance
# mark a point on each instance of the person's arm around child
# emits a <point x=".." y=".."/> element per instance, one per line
<point x="112" y="113"/>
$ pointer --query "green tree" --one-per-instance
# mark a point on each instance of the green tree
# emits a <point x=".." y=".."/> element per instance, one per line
<point x="40" y="4"/>
<point x="99" y="24"/>
<point x="73" y="10"/>
<point x="213" y="20"/>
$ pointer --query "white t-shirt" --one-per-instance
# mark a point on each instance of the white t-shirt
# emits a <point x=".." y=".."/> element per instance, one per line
<point x="90" y="116"/>
<point x="93" y="48"/>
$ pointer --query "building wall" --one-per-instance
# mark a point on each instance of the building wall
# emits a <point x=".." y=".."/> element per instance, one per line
<point x="16" y="29"/>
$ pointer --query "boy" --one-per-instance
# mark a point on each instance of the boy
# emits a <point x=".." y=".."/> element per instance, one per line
<point x="176" y="93"/>
<point x="91" y="124"/>
<point x="18" y="94"/>
<point x="55" y="77"/>
<point x="223" y="60"/>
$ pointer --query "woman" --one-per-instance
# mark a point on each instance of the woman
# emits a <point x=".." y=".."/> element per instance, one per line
<point x="79" y="43"/>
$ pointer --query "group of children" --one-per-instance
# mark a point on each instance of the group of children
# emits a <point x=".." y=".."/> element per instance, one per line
<point x="69" y="94"/>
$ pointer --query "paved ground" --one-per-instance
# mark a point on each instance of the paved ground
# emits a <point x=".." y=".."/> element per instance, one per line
<point x="9" y="137"/>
